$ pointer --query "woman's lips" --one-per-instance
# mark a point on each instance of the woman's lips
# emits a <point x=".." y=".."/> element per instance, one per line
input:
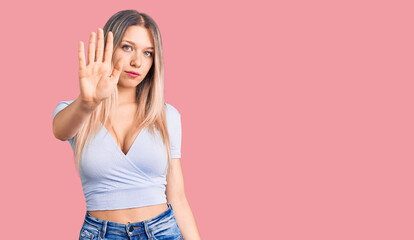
<point x="133" y="74"/>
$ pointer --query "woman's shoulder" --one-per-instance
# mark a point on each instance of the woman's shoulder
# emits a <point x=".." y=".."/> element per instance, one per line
<point x="171" y="110"/>
<point x="61" y="105"/>
<point x="66" y="102"/>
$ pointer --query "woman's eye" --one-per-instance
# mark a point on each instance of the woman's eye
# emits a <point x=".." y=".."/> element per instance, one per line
<point x="125" y="46"/>
<point x="149" y="53"/>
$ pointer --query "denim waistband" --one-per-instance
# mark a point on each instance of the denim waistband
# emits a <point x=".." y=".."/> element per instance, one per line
<point x="130" y="228"/>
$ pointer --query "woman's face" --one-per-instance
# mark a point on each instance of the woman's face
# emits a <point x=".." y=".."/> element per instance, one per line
<point x="137" y="52"/>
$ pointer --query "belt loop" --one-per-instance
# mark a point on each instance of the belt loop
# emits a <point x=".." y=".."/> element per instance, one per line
<point x="147" y="229"/>
<point x="103" y="230"/>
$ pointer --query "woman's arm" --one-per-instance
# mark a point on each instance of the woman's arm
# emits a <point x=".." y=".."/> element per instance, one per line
<point x="176" y="196"/>
<point x="67" y="122"/>
<point x="97" y="81"/>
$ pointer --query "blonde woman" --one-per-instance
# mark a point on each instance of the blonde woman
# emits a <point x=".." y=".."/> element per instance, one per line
<point x="126" y="139"/>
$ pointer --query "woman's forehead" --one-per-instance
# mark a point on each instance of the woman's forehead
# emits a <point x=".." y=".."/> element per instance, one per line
<point x="138" y="36"/>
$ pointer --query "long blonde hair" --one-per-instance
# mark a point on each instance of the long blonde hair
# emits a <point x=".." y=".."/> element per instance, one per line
<point x="150" y="92"/>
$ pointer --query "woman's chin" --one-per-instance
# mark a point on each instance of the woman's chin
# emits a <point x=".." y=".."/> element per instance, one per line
<point x="128" y="83"/>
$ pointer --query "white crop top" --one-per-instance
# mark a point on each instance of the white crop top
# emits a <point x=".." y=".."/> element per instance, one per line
<point x="114" y="180"/>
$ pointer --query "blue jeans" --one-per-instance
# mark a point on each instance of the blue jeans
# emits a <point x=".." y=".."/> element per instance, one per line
<point x="161" y="227"/>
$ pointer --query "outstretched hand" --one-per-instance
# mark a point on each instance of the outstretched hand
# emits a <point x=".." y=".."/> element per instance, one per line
<point x="97" y="80"/>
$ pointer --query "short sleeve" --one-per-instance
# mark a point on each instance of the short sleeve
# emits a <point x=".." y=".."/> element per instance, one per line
<point x="60" y="106"/>
<point x="174" y="130"/>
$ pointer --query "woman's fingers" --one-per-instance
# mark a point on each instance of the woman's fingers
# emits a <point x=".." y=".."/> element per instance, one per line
<point x="91" y="55"/>
<point x="109" y="47"/>
<point x="99" y="49"/>
<point x="81" y="55"/>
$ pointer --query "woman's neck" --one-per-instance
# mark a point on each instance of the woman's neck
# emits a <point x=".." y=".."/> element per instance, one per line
<point x="127" y="95"/>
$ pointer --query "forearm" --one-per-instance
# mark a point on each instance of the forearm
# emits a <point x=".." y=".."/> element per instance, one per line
<point x="185" y="219"/>
<point x="68" y="121"/>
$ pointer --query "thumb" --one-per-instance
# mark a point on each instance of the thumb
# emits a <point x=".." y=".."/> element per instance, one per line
<point x="117" y="70"/>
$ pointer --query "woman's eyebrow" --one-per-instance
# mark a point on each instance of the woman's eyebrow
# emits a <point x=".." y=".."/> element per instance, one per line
<point x="134" y="43"/>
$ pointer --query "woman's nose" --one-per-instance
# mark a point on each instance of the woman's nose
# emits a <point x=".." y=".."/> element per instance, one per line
<point x="136" y="61"/>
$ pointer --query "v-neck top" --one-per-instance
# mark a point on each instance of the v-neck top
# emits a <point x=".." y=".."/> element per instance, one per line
<point x="114" y="180"/>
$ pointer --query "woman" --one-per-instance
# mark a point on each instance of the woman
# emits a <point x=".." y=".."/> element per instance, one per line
<point x="126" y="139"/>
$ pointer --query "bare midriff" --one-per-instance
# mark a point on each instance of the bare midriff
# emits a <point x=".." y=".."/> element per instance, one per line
<point x="130" y="215"/>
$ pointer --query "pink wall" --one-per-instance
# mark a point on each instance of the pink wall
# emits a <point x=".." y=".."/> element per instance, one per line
<point x="297" y="115"/>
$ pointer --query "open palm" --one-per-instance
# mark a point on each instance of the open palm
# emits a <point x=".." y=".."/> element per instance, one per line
<point x="97" y="80"/>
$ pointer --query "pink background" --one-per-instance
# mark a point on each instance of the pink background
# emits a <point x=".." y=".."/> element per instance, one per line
<point x="297" y="117"/>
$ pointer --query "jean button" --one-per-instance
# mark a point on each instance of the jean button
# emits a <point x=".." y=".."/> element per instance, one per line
<point x="131" y="228"/>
